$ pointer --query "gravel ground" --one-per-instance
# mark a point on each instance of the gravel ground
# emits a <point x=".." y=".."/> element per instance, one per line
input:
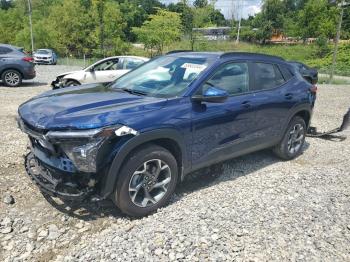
<point x="254" y="208"/>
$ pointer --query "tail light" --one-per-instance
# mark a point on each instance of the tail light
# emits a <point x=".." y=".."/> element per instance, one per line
<point x="28" y="59"/>
<point x="313" y="89"/>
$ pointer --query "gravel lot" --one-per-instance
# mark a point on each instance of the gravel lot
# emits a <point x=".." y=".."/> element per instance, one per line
<point x="254" y="208"/>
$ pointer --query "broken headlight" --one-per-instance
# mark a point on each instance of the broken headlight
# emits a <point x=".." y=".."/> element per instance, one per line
<point x="83" y="146"/>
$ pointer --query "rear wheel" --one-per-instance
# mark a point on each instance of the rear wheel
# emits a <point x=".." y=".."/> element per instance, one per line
<point x="293" y="140"/>
<point x="146" y="181"/>
<point x="12" y="78"/>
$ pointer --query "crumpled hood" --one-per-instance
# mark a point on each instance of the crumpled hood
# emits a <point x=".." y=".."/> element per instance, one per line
<point x="84" y="107"/>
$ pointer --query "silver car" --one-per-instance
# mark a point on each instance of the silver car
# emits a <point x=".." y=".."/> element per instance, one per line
<point x="45" y="56"/>
<point x="103" y="71"/>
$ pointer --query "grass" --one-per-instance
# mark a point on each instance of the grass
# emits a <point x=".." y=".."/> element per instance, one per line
<point x="69" y="61"/>
<point x="335" y="81"/>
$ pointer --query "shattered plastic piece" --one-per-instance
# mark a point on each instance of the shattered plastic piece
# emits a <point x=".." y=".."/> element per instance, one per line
<point x="125" y="130"/>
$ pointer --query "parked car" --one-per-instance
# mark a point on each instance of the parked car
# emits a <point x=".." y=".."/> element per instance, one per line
<point x="310" y="74"/>
<point x="103" y="71"/>
<point x="45" y="56"/>
<point x="136" y="138"/>
<point x="15" y="65"/>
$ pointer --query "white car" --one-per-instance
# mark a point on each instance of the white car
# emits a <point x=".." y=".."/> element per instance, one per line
<point x="45" y="56"/>
<point x="103" y="71"/>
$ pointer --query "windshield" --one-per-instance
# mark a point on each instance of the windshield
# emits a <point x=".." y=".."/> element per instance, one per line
<point x="166" y="76"/>
<point x="42" y="52"/>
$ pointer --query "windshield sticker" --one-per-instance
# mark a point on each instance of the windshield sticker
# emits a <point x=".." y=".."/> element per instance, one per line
<point x="193" y="66"/>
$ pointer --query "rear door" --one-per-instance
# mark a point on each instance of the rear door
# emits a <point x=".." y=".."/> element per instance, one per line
<point x="5" y="54"/>
<point x="2" y="56"/>
<point x="274" y="96"/>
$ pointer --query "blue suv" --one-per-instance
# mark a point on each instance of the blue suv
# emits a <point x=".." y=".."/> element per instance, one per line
<point x="136" y="138"/>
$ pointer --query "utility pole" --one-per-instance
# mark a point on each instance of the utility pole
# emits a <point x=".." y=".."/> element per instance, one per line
<point x="334" y="60"/>
<point x="239" y="20"/>
<point x="238" y="30"/>
<point x="30" y="24"/>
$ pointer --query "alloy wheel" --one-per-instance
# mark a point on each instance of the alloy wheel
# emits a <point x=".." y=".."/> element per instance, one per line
<point x="149" y="183"/>
<point x="296" y="137"/>
<point x="12" y="78"/>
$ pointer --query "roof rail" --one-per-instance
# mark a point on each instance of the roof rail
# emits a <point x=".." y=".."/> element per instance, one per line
<point x="250" y="54"/>
<point x="178" y="51"/>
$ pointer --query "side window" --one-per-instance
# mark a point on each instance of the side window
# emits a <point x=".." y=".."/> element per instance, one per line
<point x="107" y="65"/>
<point x="287" y="74"/>
<point x="266" y="76"/>
<point x="4" y="50"/>
<point x="232" y="77"/>
<point x="131" y="63"/>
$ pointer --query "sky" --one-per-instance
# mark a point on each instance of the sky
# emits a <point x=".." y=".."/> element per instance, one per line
<point x="233" y="8"/>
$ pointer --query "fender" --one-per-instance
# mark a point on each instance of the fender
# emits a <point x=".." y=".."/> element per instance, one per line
<point x="295" y="110"/>
<point x="11" y="66"/>
<point x="110" y="180"/>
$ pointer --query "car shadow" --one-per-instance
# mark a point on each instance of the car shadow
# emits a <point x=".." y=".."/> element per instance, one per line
<point x="27" y="84"/>
<point x="195" y="181"/>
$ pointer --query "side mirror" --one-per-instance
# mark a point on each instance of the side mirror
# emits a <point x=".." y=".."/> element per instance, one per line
<point x="91" y="69"/>
<point x="212" y="95"/>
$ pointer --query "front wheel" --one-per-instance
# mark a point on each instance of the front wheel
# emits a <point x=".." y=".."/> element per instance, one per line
<point x="293" y="140"/>
<point x="146" y="181"/>
<point x="71" y="83"/>
<point x="12" y="78"/>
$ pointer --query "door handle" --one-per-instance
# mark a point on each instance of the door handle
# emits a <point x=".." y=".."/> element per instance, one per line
<point x="288" y="96"/>
<point x="246" y="104"/>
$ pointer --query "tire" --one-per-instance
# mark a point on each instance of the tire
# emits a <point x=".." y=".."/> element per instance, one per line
<point x="11" y="78"/>
<point x="132" y="185"/>
<point x="72" y="83"/>
<point x="293" y="140"/>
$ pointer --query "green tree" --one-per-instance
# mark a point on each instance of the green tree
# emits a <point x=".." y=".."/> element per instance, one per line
<point x="264" y="28"/>
<point x="11" y="22"/>
<point x="72" y="27"/>
<point x="317" y="19"/>
<point x="160" y="30"/>
<point x="200" y="3"/>
<point x="5" y="4"/>
<point x="110" y="30"/>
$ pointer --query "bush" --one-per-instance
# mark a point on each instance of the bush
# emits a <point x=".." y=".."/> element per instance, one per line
<point x="322" y="47"/>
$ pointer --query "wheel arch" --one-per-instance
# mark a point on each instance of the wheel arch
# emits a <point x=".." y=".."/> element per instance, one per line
<point x="11" y="68"/>
<point x="71" y="79"/>
<point x="306" y="115"/>
<point x="170" y="139"/>
<point x="304" y="111"/>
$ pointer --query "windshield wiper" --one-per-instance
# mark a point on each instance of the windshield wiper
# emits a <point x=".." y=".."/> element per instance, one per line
<point x="134" y="92"/>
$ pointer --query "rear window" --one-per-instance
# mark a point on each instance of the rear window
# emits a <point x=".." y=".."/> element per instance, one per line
<point x="266" y="76"/>
<point x="42" y="52"/>
<point x="4" y="50"/>
<point x="131" y="63"/>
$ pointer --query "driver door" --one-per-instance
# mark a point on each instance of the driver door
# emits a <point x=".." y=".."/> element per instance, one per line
<point x="103" y="72"/>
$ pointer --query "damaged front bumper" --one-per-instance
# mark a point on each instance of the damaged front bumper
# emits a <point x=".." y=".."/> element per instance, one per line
<point x="71" y="164"/>
<point x="58" y="184"/>
<point x="49" y="165"/>
<point x="57" y="83"/>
